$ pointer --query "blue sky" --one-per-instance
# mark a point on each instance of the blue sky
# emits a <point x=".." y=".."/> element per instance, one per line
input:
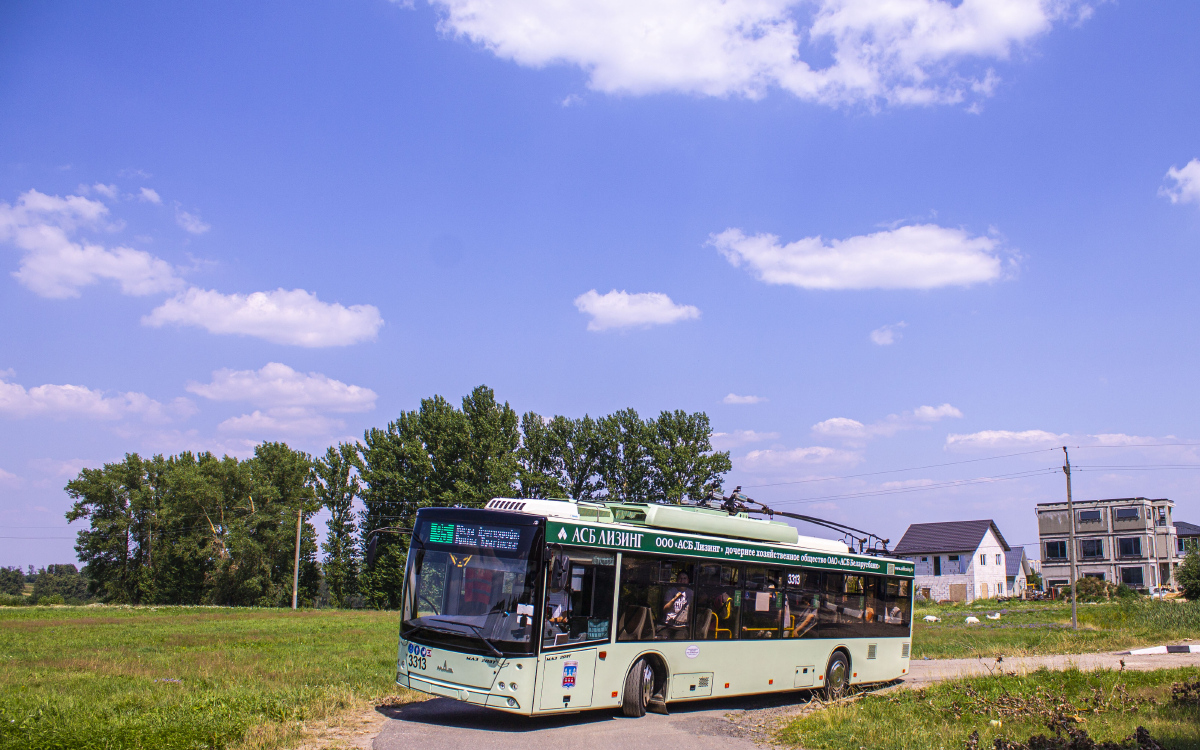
<point x="862" y="237"/>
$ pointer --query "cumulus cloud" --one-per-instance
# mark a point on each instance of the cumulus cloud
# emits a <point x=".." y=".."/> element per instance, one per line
<point x="8" y="476"/>
<point x="924" y="256"/>
<point x="190" y="222"/>
<point x="55" y="264"/>
<point x="851" y="429"/>
<point x="293" y="317"/>
<point x="625" y="310"/>
<point x="1187" y="183"/>
<point x="108" y="191"/>
<point x="723" y="441"/>
<point x="887" y="335"/>
<point x="293" y="403"/>
<point x="916" y="52"/>
<point x="733" y="398"/>
<point x="64" y="401"/>
<point x="771" y="458"/>
<point x="276" y="385"/>
<point x="1004" y="439"/>
<point x="149" y="195"/>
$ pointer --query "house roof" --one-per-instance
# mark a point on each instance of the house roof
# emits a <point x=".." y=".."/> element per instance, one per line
<point x="1012" y="564"/>
<point x="1183" y="528"/>
<point x="947" y="536"/>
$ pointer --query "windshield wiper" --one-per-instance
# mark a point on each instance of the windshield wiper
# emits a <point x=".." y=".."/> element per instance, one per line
<point x="479" y="632"/>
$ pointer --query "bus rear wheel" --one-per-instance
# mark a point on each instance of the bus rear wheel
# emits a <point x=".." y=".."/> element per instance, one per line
<point x="639" y="689"/>
<point x="837" y="676"/>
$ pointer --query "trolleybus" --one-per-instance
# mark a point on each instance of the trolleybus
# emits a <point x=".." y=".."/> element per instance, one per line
<point x="549" y="606"/>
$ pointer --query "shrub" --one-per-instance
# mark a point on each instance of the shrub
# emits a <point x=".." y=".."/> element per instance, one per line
<point x="61" y="581"/>
<point x="12" y="581"/>
<point x="1188" y="576"/>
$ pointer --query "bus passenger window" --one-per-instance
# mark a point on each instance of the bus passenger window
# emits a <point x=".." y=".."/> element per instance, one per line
<point x="657" y="599"/>
<point x="842" y="609"/>
<point x="803" y="604"/>
<point x="898" y="602"/>
<point x="762" y="613"/>
<point x="579" y="599"/>
<point x="718" y="602"/>
<point x="873" y="608"/>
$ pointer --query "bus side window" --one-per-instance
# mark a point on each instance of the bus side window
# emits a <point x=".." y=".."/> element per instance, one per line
<point x="803" y="605"/>
<point x="718" y="602"/>
<point x="579" y="606"/>
<point x="640" y="600"/>
<point x="898" y="603"/>
<point x="873" y="608"/>
<point x="842" y="607"/>
<point x="762" y="614"/>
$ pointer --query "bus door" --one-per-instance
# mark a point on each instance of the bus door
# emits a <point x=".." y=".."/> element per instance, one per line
<point x="577" y="621"/>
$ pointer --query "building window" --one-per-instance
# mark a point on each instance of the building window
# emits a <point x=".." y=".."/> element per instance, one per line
<point x="953" y="566"/>
<point x="1130" y="547"/>
<point x="924" y="559"/>
<point x="998" y="559"/>
<point x="1056" y="550"/>
<point x="1094" y="575"/>
<point x="1089" y="516"/>
<point x="1131" y="576"/>
<point x="1162" y="516"/>
<point x="983" y="559"/>
<point x="1092" y="547"/>
<point x="937" y="565"/>
<point x="1127" y="514"/>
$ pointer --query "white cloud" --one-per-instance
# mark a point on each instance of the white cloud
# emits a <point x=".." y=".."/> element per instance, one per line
<point x="828" y="51"/>
<point x="63" y="401"/>
<point x="277" y="385"/>
<point x="733" y="398"/>
<point x="887" y="335"/>
<point x="8" y="476"/>
<point x="190" y="222"/>
<point x="778" y="459"/>
<point x="723" y="441"/>
<point x="294" y="421"/>
<point x="57" y="266"/>
<point x="1187" y="183"/>
<point x="149" y="195"/>
<point x="852" y="429"/>
<point x="625" y="310"/>
<point x="108" y="191"/>
<point x="293" y="317"/>
<point x="1004" y="439"/>
<point x="924" y="256"/>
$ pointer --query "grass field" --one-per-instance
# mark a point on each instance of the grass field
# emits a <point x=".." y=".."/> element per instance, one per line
<point x="111" y="678"/>
<point x="1030" y="628"/>
<point x="1108" y="705"/>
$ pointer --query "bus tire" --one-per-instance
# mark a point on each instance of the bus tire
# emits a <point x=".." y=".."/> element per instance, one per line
<point x="639" y="687"/>
<point x="837" y="676"/>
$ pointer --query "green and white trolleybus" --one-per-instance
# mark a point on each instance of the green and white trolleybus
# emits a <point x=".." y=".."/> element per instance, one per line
<point x="546" y="606"/>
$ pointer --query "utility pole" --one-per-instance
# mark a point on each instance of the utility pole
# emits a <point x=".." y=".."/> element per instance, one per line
<point x="1071" y="549"/>
<point x="296" y="569"/>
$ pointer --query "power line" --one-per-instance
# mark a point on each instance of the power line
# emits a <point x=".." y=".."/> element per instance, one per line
<point x="924" y="488"/>
<point x="897" y="471"/>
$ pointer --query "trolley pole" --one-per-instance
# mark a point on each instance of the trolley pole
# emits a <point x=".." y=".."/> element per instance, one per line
<point x="296" y="569"/>
<point x="1071" y="527"/>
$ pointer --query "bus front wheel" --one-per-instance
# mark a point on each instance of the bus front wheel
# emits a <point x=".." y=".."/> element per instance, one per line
<point x="639" y="688"/>
<point x="837" y="676"/>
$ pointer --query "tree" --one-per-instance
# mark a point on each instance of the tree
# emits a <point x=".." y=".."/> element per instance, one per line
<point x="682" y="458"/>
<point x="1188" y="575"/>
<point x="625" y="465"/>
<point x="61" y="584"/>
<point x="336" y="489"/>
<point x="12" y="581"/>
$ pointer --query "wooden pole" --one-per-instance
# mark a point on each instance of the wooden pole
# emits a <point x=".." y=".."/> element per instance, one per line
<point x="296" y="569"/>
<point x="1071" y="549"/>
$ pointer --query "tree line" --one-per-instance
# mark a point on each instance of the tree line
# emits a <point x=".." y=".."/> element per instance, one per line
<point x="198" y="529"/>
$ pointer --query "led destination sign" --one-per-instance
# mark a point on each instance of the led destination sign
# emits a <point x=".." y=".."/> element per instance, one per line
<point x="650" y="540"/>
<point x="506" y="538"/>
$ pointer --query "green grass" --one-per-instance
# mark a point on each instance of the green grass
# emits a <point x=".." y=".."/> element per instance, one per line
<point x="181" y="678"/>
<point x="1031" y="628"/>
<point x="1108" y="705"/>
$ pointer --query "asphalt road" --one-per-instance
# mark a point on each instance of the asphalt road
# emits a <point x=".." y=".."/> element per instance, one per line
<point x="727" y="724"/>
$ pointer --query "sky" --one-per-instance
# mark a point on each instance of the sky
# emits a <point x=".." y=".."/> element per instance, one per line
<point x="899" y="253"/>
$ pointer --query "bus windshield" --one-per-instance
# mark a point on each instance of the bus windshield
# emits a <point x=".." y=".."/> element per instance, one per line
<point x="472" y="582"/>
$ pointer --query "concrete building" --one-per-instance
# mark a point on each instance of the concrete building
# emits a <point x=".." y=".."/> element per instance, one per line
<point x="1127" y="540"/>
<point x="1016" y="572"/>
<point x="958" y="561"/>
<point x="1187" y="537"/>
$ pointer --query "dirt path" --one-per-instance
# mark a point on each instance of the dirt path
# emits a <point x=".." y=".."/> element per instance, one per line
<point x="727" y="724"/>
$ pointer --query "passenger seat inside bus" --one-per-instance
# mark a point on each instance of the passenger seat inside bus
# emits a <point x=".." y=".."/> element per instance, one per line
<point x="634" y="623"/>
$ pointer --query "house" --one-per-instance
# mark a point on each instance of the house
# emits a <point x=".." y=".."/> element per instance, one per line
<point x="1187" y="538"/>
<point x="958" y="561"/>
<point x="1128" y="540"/>
<point x="1016" y="573"/>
